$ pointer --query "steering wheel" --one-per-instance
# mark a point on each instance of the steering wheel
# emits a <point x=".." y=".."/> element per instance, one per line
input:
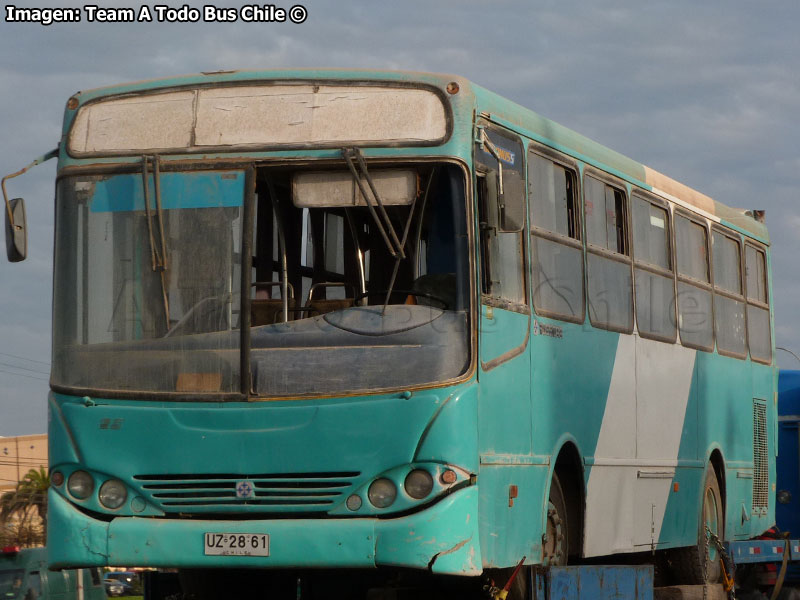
<point x="438" y="299"/>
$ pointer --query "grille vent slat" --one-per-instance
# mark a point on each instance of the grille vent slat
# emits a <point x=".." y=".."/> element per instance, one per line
<point x="273" y="492"/>
<point x="760" y="457"/>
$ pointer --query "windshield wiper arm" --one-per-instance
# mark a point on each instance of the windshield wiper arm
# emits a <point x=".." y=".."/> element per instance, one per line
<point x="273" y="196"/>
<point x="405" y="237"/>
<point x="394" y="246"/>
<point x="158" y="255"/>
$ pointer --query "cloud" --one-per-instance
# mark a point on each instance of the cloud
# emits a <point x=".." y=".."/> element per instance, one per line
<point x="705" y="92"/>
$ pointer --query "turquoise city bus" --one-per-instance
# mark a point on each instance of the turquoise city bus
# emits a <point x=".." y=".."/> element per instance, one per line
<point x="311" y="322"/>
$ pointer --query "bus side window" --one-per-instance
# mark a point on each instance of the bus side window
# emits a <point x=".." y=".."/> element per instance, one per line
<point x="608" y="264"/>
<point x="758" y="329"/>
<point x="501" y="251"/>
<point x="729" y="321"/>
<point x="653" y="273"/>
<point x="557" y="269"/>
<point x="694" y="289"/>
<point x="501" y="215"/>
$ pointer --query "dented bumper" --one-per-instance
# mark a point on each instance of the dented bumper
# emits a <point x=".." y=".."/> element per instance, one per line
<point x="442" y="538"/>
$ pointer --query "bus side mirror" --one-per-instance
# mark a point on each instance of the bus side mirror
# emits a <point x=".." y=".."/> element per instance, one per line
<point x="16" y="234"/>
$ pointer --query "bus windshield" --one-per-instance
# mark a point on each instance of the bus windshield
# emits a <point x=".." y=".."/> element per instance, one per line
<point x="343" y="290"/>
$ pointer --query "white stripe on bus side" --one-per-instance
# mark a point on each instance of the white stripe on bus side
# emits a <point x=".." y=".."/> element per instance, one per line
<point x="640" y="436"/>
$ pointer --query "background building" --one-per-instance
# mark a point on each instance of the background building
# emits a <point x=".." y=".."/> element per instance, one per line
<point x="18" y="455"/>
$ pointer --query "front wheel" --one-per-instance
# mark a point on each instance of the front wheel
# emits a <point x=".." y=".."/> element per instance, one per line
<point x="555" y="549"/>
<point x="556" y="543"/>
<point x="700" y="563"/>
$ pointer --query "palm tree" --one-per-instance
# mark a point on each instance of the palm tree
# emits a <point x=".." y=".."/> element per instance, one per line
<point x="30" y="495"/>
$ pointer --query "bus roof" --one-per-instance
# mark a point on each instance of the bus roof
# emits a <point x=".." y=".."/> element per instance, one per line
<point x="499" y="109"/>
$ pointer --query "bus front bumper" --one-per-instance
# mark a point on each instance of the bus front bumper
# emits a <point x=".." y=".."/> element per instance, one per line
<point x="443" y="538"/>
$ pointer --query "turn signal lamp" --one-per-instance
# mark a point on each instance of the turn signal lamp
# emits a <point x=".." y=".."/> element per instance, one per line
<point x="448" y="477"/>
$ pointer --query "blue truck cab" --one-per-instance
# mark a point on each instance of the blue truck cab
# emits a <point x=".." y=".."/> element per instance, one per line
<point x="787" y="506"/>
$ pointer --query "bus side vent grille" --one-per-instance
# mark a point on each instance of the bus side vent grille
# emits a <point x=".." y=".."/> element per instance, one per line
<point x="760" y="456"/>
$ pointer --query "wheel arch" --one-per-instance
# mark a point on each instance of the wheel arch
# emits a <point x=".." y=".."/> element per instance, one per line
<point x="568" y="466"/>
<point x="717" y="462"/>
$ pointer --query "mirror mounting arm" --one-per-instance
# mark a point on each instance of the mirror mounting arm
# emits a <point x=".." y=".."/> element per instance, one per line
<point x="16" y="227"/>
<point x="487" y="143"/>
<point x="43" y="158"/>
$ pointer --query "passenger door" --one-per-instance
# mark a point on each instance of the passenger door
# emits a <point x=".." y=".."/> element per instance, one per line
<point x="504" y="413"/>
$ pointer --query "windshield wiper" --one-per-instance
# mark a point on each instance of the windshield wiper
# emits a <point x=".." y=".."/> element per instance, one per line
<point x="405" y="237"/>
<point x="273" y="196"/>
<point x="158" y="255"/>
<point x="396" y="249"/>
<point x="394" y="246"/>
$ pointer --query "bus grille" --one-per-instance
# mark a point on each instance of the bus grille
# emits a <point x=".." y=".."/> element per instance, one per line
<point x="760" y="456"/>
<point x="271" y="492"/>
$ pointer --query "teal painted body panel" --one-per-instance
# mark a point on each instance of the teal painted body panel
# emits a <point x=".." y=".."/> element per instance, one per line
<point x="309" y="436"/>
<point x="570" y="377"/>
<point x="450" y="432"/>
<point x="727" y="428"/>
<point x="680" y="523"/>
<point x="504" y="421"/>
<point x="73" y="538"/>
<point x="511" y="528"/>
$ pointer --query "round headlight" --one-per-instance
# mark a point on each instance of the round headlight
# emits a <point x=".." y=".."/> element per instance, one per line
<point x="56" y="478"/>
<point x="382" y="493"/>
<point x="418" y="484"/>
<point x="80" y="484"/>
<point x="784" y="496"/>
<point x="113" y="494"/>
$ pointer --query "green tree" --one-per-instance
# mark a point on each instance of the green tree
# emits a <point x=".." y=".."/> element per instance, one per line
<point x="29" y="498"/>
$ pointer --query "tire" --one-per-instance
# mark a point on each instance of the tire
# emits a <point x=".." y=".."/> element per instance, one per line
<point x="700" y="563"/>
<point x="556" y="546"/>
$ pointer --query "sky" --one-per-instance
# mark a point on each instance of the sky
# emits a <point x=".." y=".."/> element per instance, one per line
<point x="706" y="92"/>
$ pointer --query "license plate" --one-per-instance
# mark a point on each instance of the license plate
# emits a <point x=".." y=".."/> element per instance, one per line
<point x="236" y="544"/>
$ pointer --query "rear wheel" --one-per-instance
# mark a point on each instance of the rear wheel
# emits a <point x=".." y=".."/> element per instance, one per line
<point x="700" y="563"/>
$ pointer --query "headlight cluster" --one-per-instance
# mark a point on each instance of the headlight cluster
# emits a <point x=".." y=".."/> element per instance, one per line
<point x="80" y="485"/>
<point x="382" y="493"/>
<point x="418" y="484"/>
